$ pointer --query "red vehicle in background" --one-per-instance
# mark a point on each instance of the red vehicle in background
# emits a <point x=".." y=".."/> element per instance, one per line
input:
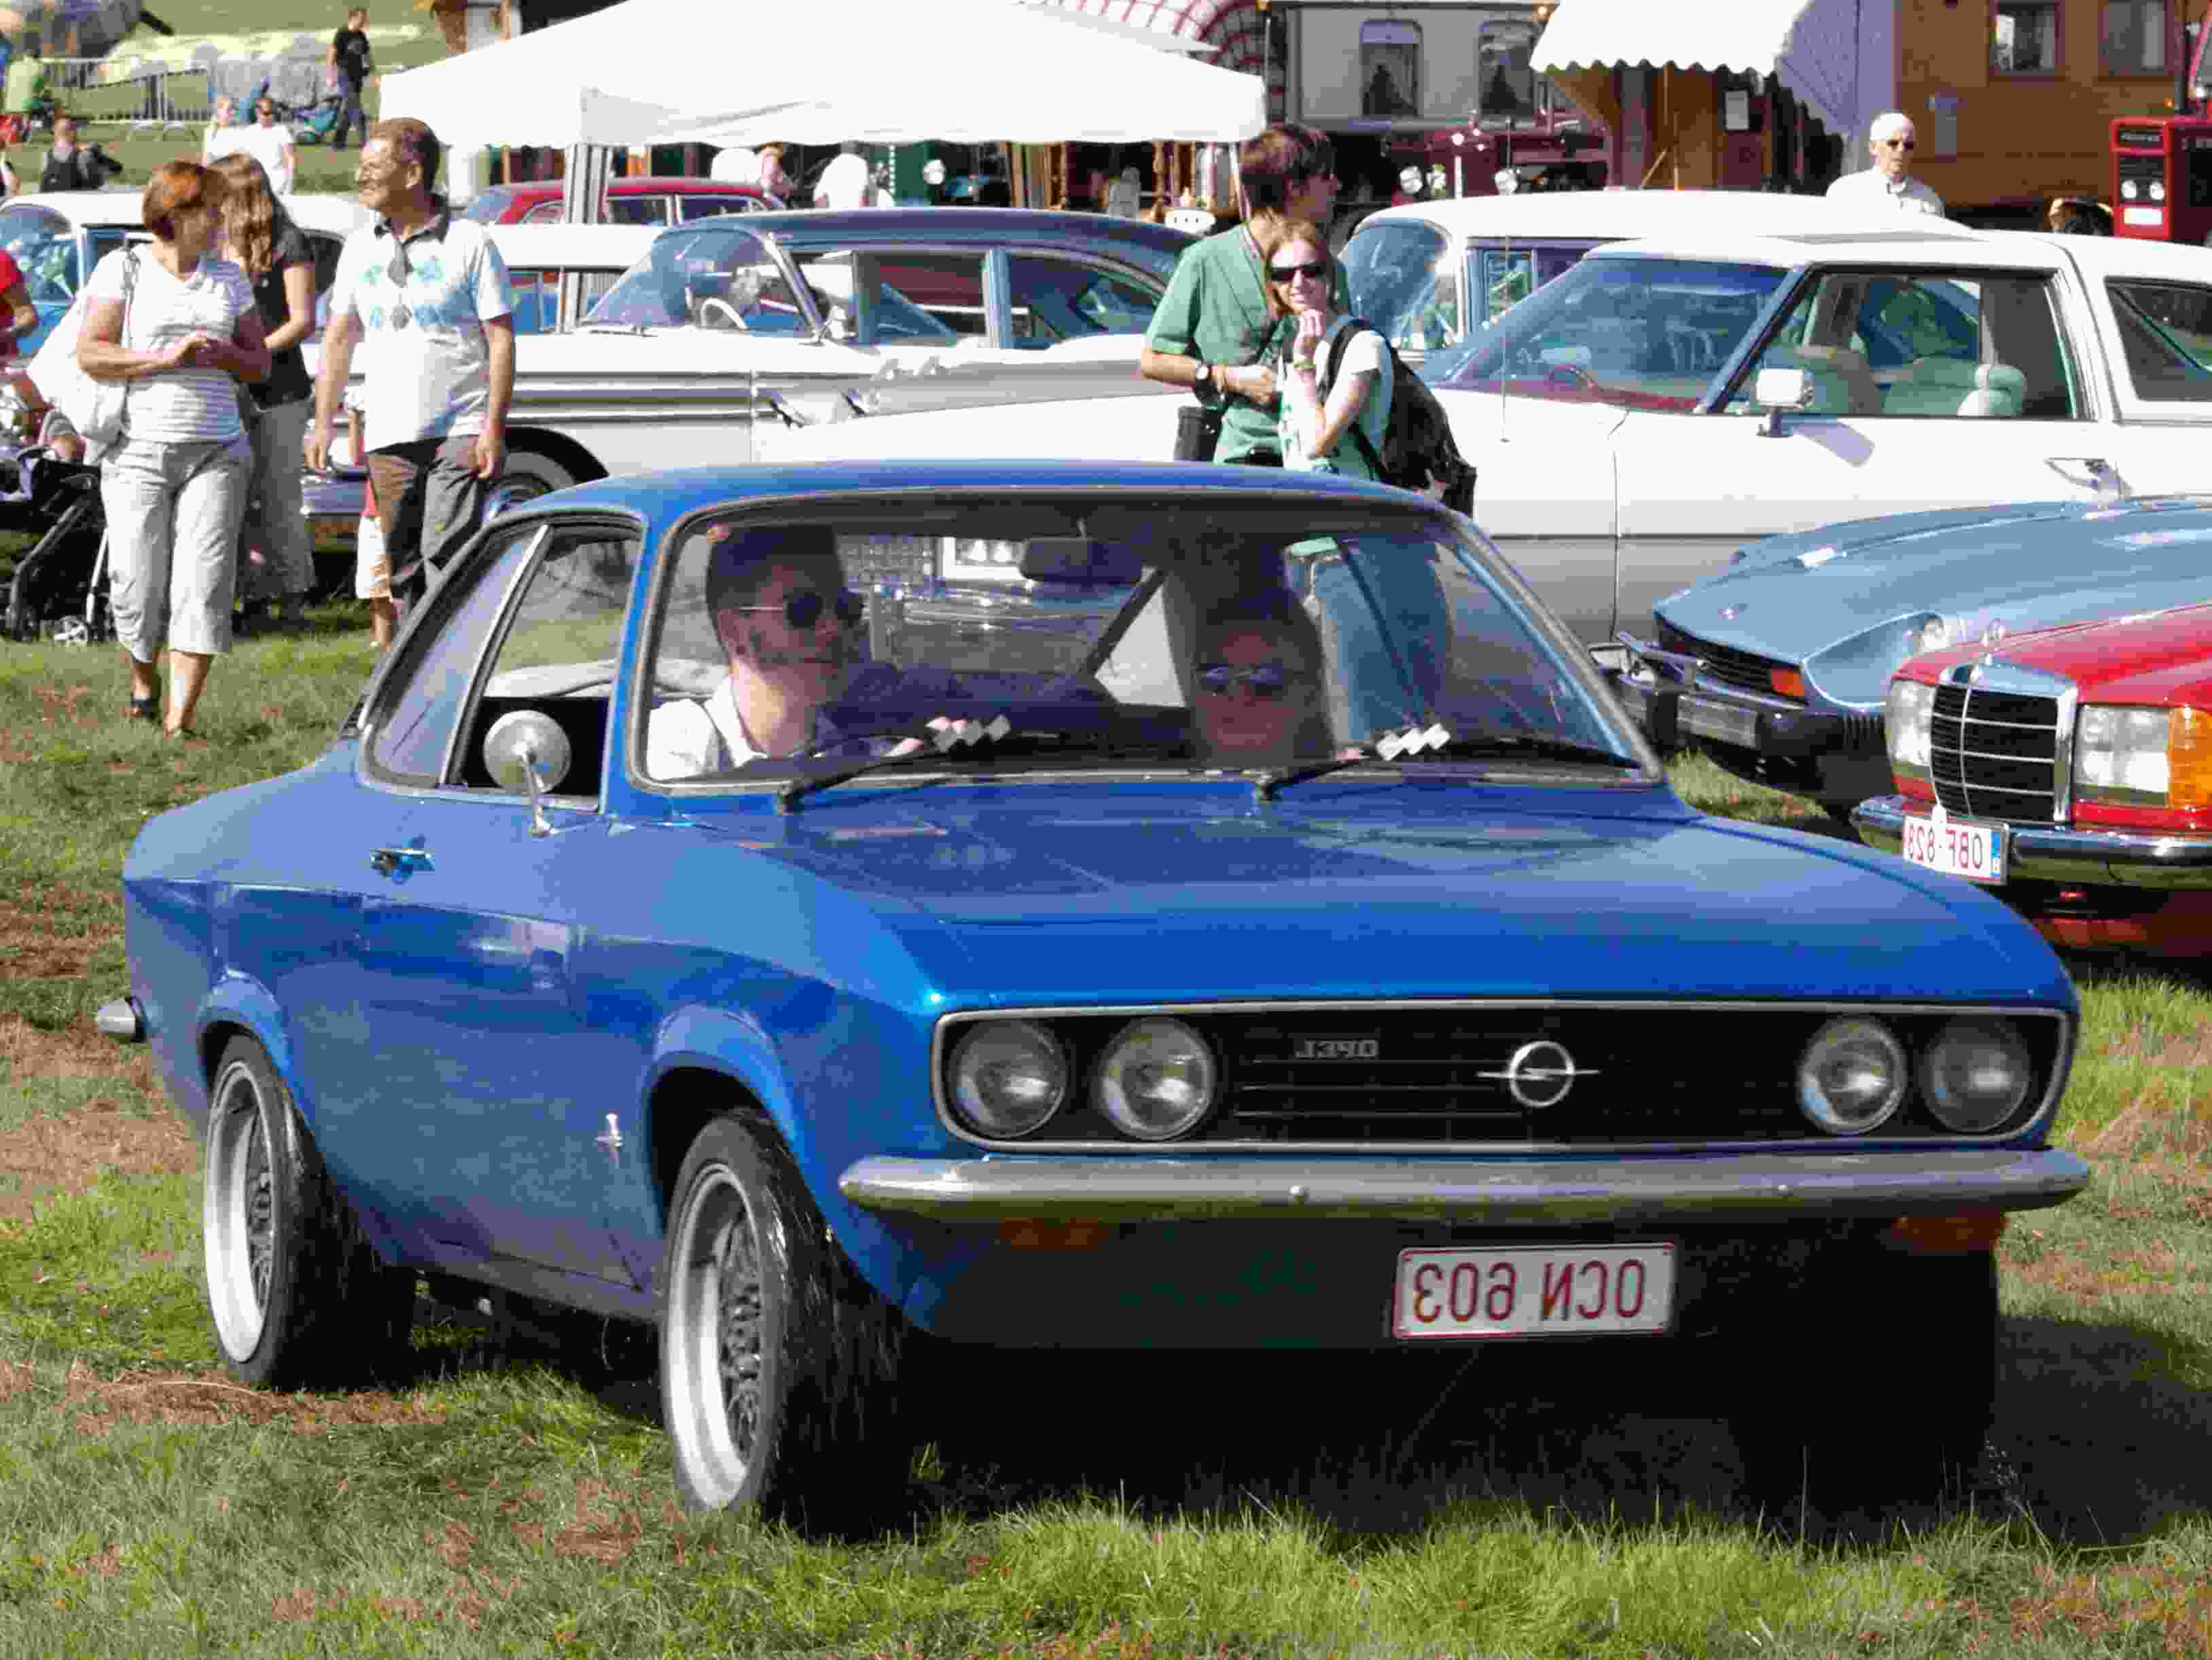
<point x="2068" y="770"/>
<point x="637" y="199"/>
<point x="2160" y="181"/>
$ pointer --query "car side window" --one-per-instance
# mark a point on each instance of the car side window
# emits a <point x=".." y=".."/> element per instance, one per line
<point x="1947" y="345"/>
<point x="945" y="288"/>
<point x="637" y="210"/>
<point x="419" y="705"/>
<point x="555" y="654"/>
<point x="1055" y="300"/>
<point x="537" y="300"/>
<point x="2166" y="339"/>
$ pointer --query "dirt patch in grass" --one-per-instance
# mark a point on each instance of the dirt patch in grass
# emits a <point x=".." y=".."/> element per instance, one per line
<point x="202" y="1399"/>
<point x="67" y="1152"/>
<point x="49" y="933"/>
<point x="2150" y="1609"/>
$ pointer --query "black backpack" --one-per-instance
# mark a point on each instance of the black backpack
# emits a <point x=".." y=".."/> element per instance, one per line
<point x="1419" y="452"/>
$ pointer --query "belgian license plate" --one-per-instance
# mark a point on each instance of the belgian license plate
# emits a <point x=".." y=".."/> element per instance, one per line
<point x="1527" y="1291"/>
<point x="2142" y="216"/>
<point x="1956" y="846"/>
<point x="1723" y="721"/>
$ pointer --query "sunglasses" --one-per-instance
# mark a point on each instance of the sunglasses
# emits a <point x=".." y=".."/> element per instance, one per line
<point x="803" y="609"/>
<point x="1284" y="273"/>
<point x="1263" y="680"/>
<point x="1899" y="143"/>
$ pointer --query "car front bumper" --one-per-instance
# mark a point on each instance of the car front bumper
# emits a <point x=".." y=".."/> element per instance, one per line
<point x="1749" y="1188"/>
<point x="2060" y="853"/>
<point x="1677" y="705"/>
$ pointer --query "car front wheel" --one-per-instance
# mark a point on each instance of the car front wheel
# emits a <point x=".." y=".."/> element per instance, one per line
<point x="778" y="1363"/>
<point x="297" y="1294"/>
<point x="1876" y="1387"/>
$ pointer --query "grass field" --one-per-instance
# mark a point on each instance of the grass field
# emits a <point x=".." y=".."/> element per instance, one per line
<point x="510" y="1494"/>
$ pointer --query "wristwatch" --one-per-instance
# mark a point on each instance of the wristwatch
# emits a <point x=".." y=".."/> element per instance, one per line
<point x="1203" y="378"/>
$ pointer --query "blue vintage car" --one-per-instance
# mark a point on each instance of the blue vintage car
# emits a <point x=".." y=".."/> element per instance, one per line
<point x="1274" y="936"/>
<point x="1778" y="667"/>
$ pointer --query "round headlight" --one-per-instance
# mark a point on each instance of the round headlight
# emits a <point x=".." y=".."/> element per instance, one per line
<point x="2128" y="189"/>
<point x="1851" y="1078"/>
<point x="1975" y="1075"/>
<point x="2158" y="190"/>
<point x="1155" y="1079"/>
<point x="1008" y="1077"/>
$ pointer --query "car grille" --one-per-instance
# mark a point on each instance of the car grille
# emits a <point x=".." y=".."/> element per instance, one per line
<point x="1435" y="1075"/>
<point x="1995" y="754"/>
<point x="1724" y="665"/>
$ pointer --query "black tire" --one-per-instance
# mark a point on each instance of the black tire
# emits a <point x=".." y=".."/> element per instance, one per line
<point x="297" y="1294"/>
<point x="1876" y="1388"/>
<point x="531" y="472"/>
<point x="779" y="1364"/>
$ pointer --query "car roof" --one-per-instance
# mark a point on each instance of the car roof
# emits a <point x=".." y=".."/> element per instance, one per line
<point x="537" y="245"/>
<point x="631" y="183"/>
<point x="1605" y="215"/>
<point x="965" y="225"/>
<point x="668" y="494"/>
<point x="310" y="210"/>
<point x="1949" y="245"/>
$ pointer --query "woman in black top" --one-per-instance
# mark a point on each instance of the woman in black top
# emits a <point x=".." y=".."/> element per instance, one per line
<point x="259" y="236"/>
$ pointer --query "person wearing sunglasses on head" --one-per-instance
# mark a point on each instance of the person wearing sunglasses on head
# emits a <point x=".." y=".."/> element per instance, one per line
<point x="792" y="632"/>
<point x="1888" y="183"/>
<point x="1320" y="435"/>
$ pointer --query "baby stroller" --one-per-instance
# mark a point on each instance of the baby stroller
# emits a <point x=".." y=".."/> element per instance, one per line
<point x="319" y="121"/>
<point x="59" y="589"/>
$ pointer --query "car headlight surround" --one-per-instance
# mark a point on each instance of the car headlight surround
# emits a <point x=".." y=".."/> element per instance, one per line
<point x="1851" y="1078"/>
<point x="1975" y="1075"/>
<point x="2134" y="757"/>
<point x="1008" y="1078"/>
<point x="1155" y="1079"/>
<point x="1907" y="716"/>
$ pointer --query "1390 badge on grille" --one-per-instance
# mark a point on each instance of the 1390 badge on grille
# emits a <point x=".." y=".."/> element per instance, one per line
<point x="1336" y="1048"/>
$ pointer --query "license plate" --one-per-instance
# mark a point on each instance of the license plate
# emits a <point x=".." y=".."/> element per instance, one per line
<point x="1724" y="721"/>
<point x="2142" y="216"/>
<point x="1526" y="1291"/>
<point x="1956" y="846"/>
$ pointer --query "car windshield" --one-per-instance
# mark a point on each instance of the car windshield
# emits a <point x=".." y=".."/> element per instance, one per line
<point x="1401" y="281"/>
<point x="1638" y="333"/>
<point x="1060" y="633"/>
<point x="44" y="245"/>
<point x="486" y="206"/>
<point x="713" y="275"/>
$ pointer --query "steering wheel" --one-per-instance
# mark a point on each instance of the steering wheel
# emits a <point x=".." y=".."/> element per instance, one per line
<point x="711" y="305"/>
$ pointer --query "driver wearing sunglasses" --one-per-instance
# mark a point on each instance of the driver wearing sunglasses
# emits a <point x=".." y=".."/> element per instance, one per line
<point x="1256" y="687"/>
<point x="791" y="630"/>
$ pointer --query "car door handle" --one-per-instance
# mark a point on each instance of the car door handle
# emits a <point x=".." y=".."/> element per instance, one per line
<point x="387" y="861"/>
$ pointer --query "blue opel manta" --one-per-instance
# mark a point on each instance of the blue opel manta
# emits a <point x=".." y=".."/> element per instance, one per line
<point x="830" y="914"/>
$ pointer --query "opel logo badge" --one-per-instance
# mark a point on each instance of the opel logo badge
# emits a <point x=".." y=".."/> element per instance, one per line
<point x="1540" y="1074"/>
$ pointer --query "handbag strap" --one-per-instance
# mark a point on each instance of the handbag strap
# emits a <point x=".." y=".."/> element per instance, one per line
<point x="123" y="339"/>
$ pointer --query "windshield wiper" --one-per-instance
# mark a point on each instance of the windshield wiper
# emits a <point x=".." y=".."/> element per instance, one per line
<point x="942" y="745"/>
<point x="1451" y="746"/>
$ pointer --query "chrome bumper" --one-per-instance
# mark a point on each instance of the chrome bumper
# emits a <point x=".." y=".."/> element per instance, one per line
<point x="2058" y="853"/>
<point x="1668" y="694"/>
<point x="1733" y="1186"/>
<point x="120" y="1018"/>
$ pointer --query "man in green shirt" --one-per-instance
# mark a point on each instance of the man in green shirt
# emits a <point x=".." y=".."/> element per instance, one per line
<point x="1211" y="332"/>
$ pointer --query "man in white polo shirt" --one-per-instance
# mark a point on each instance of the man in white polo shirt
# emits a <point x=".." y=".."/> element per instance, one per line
<point x="1889" y="182"/>
<point x="429" y="293"/>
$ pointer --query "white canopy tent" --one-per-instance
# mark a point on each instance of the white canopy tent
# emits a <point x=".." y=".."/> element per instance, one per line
<point x="664" y="71"/>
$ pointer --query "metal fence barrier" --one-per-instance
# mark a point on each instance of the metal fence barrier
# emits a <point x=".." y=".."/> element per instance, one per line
<point x="100" y="89"/>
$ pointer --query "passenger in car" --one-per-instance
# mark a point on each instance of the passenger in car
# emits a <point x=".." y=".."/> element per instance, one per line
<point x="788" y="626"/>
<point x="1257" y="685"/>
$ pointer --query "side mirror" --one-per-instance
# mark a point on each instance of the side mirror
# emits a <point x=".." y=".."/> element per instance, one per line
<point x="526" y="754"/>
<point x="1080" y="560"/>
<point x="1780" y="389"/>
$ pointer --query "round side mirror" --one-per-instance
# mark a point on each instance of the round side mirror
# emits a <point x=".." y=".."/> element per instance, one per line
<point x="525" y="753"/>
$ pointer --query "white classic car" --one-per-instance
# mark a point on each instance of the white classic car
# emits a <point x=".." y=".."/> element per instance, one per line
<point x="810" y="317"/>
<point x="1630" y="430"/>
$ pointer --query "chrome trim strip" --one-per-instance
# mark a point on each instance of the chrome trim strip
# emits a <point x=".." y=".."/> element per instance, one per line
<point x="2062" y="853"/>
<point x="941" y="1039"/>
<point x="1567" y="1193"/>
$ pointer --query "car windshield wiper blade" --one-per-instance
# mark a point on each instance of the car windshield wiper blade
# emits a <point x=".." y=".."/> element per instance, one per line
<point x="930" y="743"/>
<point x="942" y="740"/>
<point x="1443" y="746"/>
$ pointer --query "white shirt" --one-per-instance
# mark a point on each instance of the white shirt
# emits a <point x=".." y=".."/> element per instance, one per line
<point x="844" y="182"/>
<point x="427" y="372"/>
<point x="736" y="166"/>
<point x="1362" y="352"/>
<point x="684" y="739"/>
<point x="1871" y="187"/>
<point x="221" y="142"/>
<point x="271" y="146"/>
<point x="178" y="406"/>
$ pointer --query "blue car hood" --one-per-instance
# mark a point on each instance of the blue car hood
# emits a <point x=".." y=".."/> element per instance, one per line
<point x="1406" y="890"/>
<point x="1820" y="595"/>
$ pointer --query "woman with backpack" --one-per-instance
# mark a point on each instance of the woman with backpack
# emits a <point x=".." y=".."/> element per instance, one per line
<point x="1335" y="377"/>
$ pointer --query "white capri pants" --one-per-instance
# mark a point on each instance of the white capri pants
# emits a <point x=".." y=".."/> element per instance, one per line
<point x="173" y="513"/>
<point x="277" y="530"/>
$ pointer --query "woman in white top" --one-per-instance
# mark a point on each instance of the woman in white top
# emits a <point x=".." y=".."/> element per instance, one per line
<point x="1317" y="436"/>
<point x="178" y="328"/>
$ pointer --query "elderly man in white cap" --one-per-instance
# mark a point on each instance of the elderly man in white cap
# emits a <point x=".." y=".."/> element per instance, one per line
<point x="1889" y="182"/>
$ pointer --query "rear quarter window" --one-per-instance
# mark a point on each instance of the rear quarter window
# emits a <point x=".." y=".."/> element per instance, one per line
<point x="2166" y="339"/>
